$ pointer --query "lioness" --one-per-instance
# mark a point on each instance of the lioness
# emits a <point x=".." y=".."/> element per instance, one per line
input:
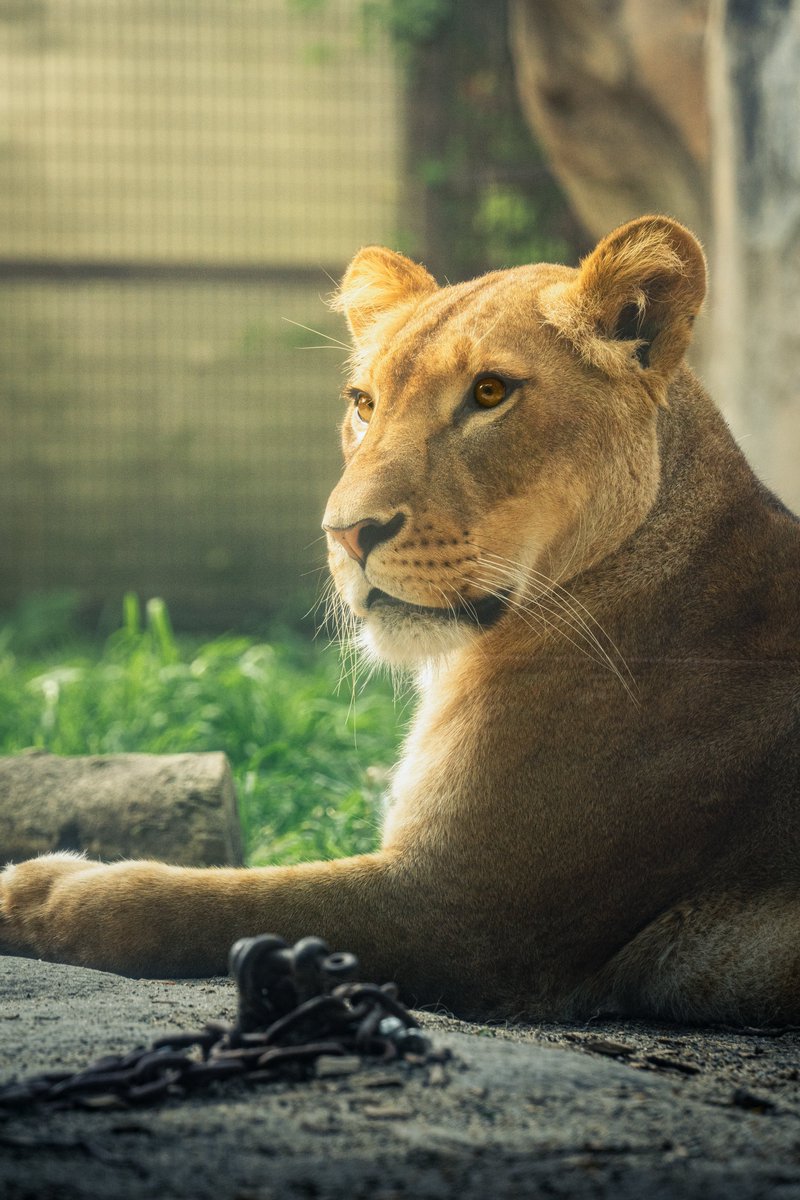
<point x="544" y="515"/>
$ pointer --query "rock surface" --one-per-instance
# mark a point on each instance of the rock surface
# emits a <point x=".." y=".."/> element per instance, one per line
<point x="602" y="1110"/>
<point x="179" y="808"/>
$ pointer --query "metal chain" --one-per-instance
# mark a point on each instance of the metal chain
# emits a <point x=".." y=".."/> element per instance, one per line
<point x="295" y="1004"/>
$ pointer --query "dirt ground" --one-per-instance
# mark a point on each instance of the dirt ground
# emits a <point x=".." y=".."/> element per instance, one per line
<point x="614" y="1110"/>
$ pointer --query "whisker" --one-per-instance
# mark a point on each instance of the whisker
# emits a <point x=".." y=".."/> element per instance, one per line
<point x="451" y="608"/>
<point x="521" y="607"/>
<point x="470" y="607"/>
<point x="318" y="333"/>
<point x="555" y="626"/>
<point x="524" y="612"/>
<point x="556" y="607"/>
<point x="589" y="644"/>
<point x="574" y="554"/>
<point x="570" y="601"/>
<point x="493" y="325"/>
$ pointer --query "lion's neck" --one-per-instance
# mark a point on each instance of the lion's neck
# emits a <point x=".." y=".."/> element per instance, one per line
<point x="705" y="482"/>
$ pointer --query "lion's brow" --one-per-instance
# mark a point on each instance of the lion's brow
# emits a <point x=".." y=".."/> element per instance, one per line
<point x="442" y="310"/>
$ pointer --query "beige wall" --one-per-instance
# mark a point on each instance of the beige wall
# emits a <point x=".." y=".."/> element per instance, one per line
<point x="170" y="434"/>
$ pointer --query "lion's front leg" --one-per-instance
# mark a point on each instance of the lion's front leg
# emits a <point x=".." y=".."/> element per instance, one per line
<point x="147" y="918"/>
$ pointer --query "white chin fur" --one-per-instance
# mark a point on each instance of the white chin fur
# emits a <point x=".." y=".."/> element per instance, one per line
<point x="402" y="639"/>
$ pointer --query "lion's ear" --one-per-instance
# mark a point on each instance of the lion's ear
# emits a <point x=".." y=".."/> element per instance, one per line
<point x="634" y="299"/>
<point x="376" y="281"/>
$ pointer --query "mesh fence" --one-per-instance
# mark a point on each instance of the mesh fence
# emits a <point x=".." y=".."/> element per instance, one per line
<point x="180" y="182"/>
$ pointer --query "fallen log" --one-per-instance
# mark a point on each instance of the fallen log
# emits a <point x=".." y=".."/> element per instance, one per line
<point x="180" y="808"/>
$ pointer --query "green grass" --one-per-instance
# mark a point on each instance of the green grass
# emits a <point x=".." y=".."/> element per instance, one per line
<point x="310" y="767"/>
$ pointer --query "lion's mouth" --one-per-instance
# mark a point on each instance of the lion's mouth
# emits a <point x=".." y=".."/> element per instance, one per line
<point x="480" y="613"/>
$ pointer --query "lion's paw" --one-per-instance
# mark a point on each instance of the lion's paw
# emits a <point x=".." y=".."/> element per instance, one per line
<point x="28" y="923"/>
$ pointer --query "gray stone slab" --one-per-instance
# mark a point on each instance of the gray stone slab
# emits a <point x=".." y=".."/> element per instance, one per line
<point x="604" y="1110"/>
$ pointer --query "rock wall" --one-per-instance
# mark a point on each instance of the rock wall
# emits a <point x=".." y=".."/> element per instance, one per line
<point x="690" y="108"/>
<point x="615" y="91"/>
<point x="754" y="90"/>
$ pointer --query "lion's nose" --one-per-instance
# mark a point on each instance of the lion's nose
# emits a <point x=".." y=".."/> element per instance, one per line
<point x="362" y="537"/>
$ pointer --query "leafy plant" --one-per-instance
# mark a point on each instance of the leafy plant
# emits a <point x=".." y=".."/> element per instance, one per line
<point x="411" y="22"/>
<point x="310" y="766"/>
<point x="513" y="231"/>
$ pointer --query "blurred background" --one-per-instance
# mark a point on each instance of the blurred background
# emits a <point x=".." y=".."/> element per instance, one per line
<point x="183" y="182"/>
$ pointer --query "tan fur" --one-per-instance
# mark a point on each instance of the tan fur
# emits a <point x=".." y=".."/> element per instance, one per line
<point x="597" y="804"/>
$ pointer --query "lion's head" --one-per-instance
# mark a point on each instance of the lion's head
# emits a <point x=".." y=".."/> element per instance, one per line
<point x="500" y="433"/>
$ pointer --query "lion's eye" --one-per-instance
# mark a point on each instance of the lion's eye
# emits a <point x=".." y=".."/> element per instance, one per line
<point x="489" y="391"/>
<point x="364" y="406"/>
